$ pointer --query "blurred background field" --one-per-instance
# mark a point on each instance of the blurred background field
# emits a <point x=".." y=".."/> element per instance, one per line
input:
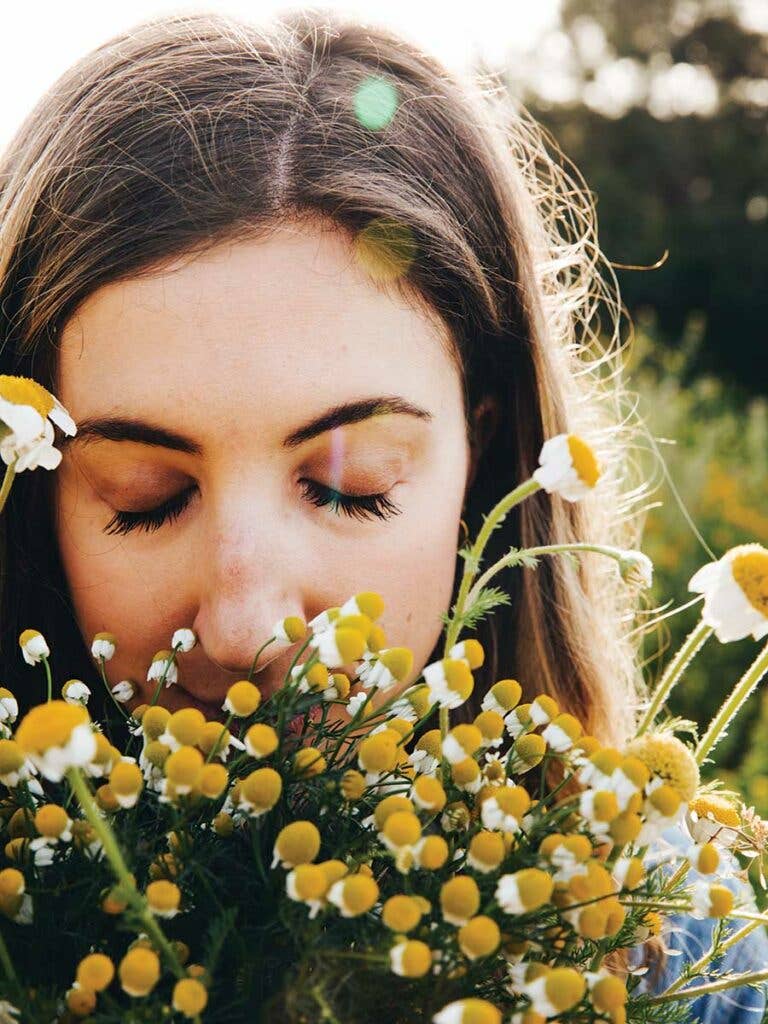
<point x="663" y="107"/>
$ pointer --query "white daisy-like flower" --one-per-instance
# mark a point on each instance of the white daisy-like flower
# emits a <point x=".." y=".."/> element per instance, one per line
<point x="184" y="640"/>
<point x="158" y="668"/>
<point x="568" y="467"/>
<point x="33" y="646"/>
<point x="103" y="646"/>
<point x="74" y="691"/>
<point x="28" y="413"/>
<point x="636" y="568"/>
<point x="9" y="706"/>
<point x="735" y="590"/>
<point x="56" y="736"/>
<point x="355" y="703"/>
<point x="123" y="691"/>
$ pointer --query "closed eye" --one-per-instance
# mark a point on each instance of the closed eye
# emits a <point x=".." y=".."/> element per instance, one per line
<point x="358" y="506"/>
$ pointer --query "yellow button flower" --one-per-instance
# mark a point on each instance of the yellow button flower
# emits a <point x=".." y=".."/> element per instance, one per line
<point x="431" y="853"/>
<point x="95" y="972"/>
<point x="505" y="809"/>
<point x="80" y="1002"/>
<point x="450" y="682"/>
<point x="367" y="602"/>
<point x="386" y="669"/>
<point x="243" y="699"/>
<point x="190" y="997"/>
<point x="308" y="883"/>
<point x="213" y="781"/>
<point x="735" y="590"/>
<point x="379" y="752"/>
<point x="459" y="899"/>
<point x="289" y="631"/>
<point x="261" y="740"/>
<point x="338" y="645"/>
<point x="184" y="728"/>
<point x="352" y="785"/>
<point x="503" y="696"/>
<point x="9" y="707"/>
<point x="126" y="782"/>
<point x="154" y="721"/>
<point x="309" y="761"/>
<point x="470" y="651"/>
<point x="410" y="959"/>
<point x="183" y="767"/>
<point x="524" y="890"/>
<point x="56" y="736"/>
<point x="139" y="971"/>
<point x="164" y="898"/>
<point x="479" y="937"/>
<point x="52" y="821"/>
<point x="709" y="900"/>
<point x="562" y="732"/>
<point x="461" y="742"/>
<point x="354" y="895"/>
<point x="401" y="913"/>
<point x="260" y="791"/>
<point x="428" y="794"/>
<point x="568" y="467"/>
<point x="486" y="851"/>
<point x="670" y="759"/>
<point x="468" y="1011"/>
<point x="296" y="843"/>
<point x="556" y="991"/>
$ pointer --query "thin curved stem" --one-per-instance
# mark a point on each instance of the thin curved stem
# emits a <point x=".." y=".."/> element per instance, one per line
<point x="732" y="704"/>
<point x="5" y="490"/>
<point x="671" y="676"/>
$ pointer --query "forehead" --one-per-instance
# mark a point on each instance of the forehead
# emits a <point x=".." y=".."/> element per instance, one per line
<point x="290" y="318"/>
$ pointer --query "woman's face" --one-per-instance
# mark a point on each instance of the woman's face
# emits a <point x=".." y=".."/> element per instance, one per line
<point x="225" y="389"/>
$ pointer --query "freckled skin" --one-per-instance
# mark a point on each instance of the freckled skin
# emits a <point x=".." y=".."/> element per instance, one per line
<point x="236" y="349"/>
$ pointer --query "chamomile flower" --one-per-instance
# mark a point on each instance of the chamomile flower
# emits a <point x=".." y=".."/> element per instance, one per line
<point x="505" y="809"/>
<point x="713" y="818"/>
<point x="468" y="1011"/>
<point x="524" y="890"/>
<point x="568" y="467"/>
<point x="636" y="568"/>
<point x="307" y="883"/>
<point x="356" y="703"/>
<point x="103" y="646"/>
<point x="354" y="894"/>
<point x="261" y="740"/>
<point x="243" y="699"/>
<point x="163" y="898"/>
<point x="669" y="758"/>
<point x="28" y="413"/>
<point x="367" y="603"/>
<point x="486" y="851"/>
<point x="401" y="913"/>
<point x="183" y="640"/>
<point x="296" y="843"/>
<point x="459" y="899"/>
<point x="735" y="590"/>
<point x="288" y="631"/>
<point x="190" y="997"/>
<point x="562" y="732"/>
<point x="462" y="742"/>
<point x="126" y="782"/>
<point x="74" y="691"/>
<point x="163" y="664"/>
<point x="9" y="707"/>
<point x="56" y="736"/>
<point x="450" y="682"/>
<point x="95" y="972"/>
<point x="139" y="971"/>
<point x="503" y="696"/>
<point x="338" y="645"/>
<point x="259" y="792"/>
<point x="479" y="937"/>
<point x="386" y="669"/>
<point x="556" y="991"/>
<point x="33" y="646"/>
<point x="124" y="691"/>
<point x="410" y="958"/>
<point x="708" y="900"/>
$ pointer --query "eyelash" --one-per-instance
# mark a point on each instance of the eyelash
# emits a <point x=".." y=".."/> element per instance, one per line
<point x="358" y="506"/>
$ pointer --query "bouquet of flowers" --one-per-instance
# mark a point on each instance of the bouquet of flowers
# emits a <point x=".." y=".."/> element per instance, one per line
<point x="339" y="852"/>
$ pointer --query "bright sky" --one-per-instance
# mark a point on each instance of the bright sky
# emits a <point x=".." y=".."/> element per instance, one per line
<point x="42" y="38"/>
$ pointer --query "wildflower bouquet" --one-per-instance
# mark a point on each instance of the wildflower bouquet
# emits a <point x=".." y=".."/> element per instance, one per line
<point x="339" y="852"/>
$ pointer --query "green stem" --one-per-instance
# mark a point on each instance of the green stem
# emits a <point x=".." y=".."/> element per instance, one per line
<point x="48" y="676"/>
<point x="115" y="857"/>
<point x="256" y="658"/>
<point x="715" y="950"/>
<point x="161" y="680"/>
<point x="692" y="644"/>
<point x="515" y="557"/>
<point x="103" y="671"/>
<point x="732" y="704"/>
<point x="5" y="490"/>
<point x="495" y="517"/>
<point x="734" y="981"/>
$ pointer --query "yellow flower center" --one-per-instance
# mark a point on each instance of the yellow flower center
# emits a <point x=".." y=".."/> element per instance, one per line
<point x="25" y="391"/>
<point x="49" y="725"/>
<point x="716" y="807"/>
<point x="750" y="570"/>
<point x="584" y="461"/>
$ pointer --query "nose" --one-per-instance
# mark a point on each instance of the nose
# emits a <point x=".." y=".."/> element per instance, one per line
<point x="248" y="580"/>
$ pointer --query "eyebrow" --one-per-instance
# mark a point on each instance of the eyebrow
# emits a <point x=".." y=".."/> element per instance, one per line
<point x="122" y="428"/>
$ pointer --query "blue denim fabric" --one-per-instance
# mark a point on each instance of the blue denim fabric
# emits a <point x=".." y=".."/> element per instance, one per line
<point x="693" y="937"/>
